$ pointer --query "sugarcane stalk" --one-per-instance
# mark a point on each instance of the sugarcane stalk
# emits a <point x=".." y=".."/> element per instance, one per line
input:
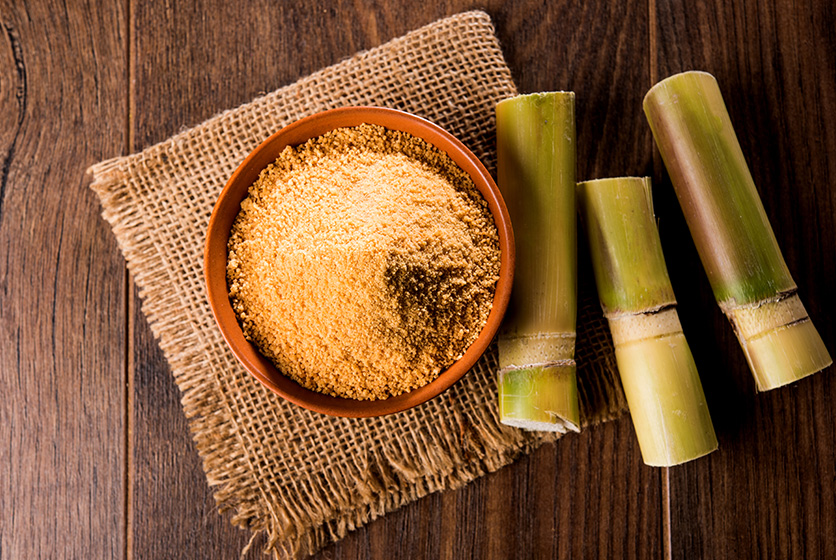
<point x="536" y="175"/>
<point x="658" y="373"/>
<point x="736" y="244"/>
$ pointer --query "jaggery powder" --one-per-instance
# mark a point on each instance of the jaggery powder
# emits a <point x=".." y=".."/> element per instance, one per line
<point x="363" y="262"/>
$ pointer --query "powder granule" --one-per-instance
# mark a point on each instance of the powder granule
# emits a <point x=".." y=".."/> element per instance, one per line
<point x="363" y="263"/>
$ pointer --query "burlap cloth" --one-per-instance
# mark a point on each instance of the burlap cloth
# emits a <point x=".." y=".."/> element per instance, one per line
<point x="304" y="478"/>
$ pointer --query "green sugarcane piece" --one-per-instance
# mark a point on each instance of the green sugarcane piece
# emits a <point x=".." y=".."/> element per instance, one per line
<point x="630" y="270"/>
<point x="658" y="373"/>
<point x="736" y="244"/>
<point x="536" y="172"/>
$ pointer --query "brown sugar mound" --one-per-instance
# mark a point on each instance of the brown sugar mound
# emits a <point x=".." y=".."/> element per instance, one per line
<point x="363" y="263"/>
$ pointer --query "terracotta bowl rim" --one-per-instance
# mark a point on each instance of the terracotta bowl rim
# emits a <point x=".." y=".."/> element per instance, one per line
<point x="228" y="205"/>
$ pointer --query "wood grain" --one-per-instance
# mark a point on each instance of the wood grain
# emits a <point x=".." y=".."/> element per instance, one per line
<point x="62" y="283"/>
<point x="769" y="491"/>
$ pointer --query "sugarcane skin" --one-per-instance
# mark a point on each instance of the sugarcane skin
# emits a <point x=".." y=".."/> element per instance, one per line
<point x="627" y="258"/>
<point x="786" y="354"/>
<point x="666" y="399"/>
<point x="536" y="175"/>
<point x="728" y="223"/>
<point x="543" y="395"/>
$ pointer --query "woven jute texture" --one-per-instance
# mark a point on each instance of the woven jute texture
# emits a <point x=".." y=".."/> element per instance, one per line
<point x="303" y="478"/>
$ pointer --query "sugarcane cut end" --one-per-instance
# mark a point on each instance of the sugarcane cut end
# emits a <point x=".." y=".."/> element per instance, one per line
<point x="664" y="84"/>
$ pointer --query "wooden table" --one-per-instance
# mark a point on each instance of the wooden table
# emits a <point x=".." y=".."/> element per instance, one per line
<point x="96" y="460"/>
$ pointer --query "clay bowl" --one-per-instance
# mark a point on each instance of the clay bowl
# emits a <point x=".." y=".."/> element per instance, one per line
<point x="229" y="204"/>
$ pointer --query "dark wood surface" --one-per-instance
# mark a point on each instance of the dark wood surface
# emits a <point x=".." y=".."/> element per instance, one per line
<point x="96" y="460"/>
<point x="62" y="284"/>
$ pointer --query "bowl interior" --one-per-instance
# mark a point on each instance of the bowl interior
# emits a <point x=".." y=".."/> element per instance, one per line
<point x="229" y="204"/>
